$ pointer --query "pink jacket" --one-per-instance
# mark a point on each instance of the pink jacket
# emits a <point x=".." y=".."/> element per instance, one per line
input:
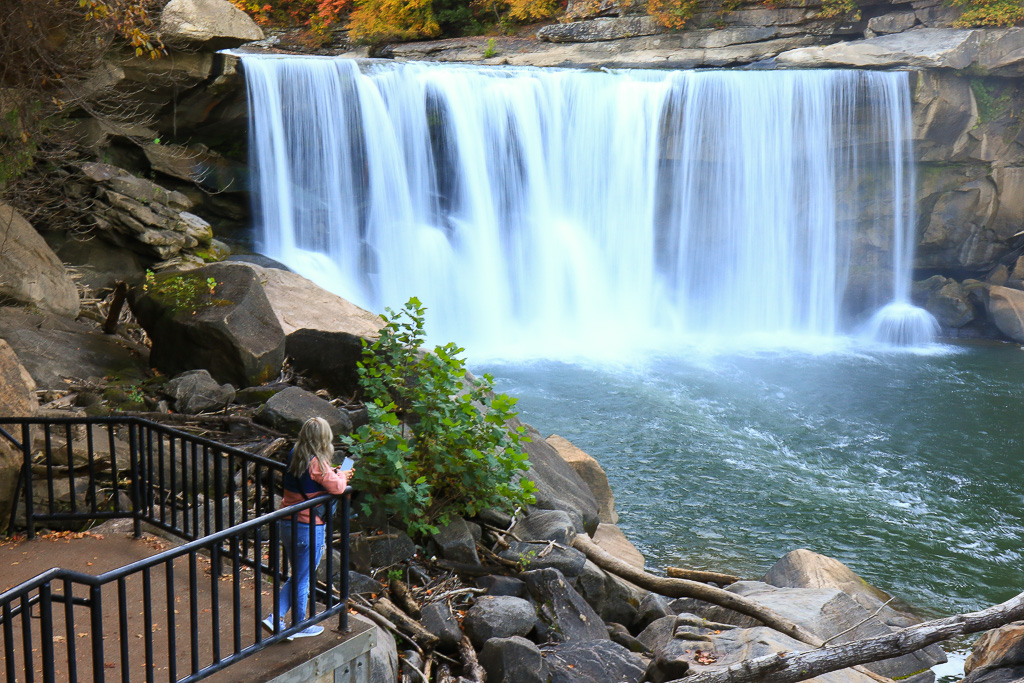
<point x="334" y="481"/>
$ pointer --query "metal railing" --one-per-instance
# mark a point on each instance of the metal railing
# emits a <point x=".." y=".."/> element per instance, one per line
<point x="218" y="498"/>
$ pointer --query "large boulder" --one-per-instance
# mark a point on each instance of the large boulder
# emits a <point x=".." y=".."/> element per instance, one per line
<point x="30" y="273"/>
<point x="804" y="568"/>
<point x="998" y="656"/>
<point x="17" y="399"/>
<point x="611" y="539"/>
<point x="499" y="616"/>
<point x="558" y="485"/>
<point x="600" y="661"/>
<point x="229" y="330"/>
<point x="514" y="659"/>
<point x="614" y="599"/>
<point x="210" y="24"/>
<point x="455" y="542"/>
<point x="591" y="473"/>
<point x="946" y="299"/>
<point x="288" y="410"/>
<point x="53" y="349"/>
<point x="1006" y="310"/>
<point x="563" y="609"/>
<point x="324" y="332"/>
<point x="195" y="391"/>
<point x="997" y="52"/>
<point x="831" y="613"/>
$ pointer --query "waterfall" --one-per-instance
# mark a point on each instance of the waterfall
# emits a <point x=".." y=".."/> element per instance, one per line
<point x="550" y="211"/>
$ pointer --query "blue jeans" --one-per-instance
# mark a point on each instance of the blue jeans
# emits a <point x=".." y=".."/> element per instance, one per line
<point x="300" y="567"/>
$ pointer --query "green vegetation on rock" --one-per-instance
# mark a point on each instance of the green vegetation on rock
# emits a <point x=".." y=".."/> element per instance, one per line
<point x="438" y="442"/>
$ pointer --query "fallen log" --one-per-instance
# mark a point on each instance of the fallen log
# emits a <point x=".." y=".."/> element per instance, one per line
<point x="701" y="576"/>
<point x="790" y="667"/>
<point x="390" y="611"/>
<point x="684" y="588"/>
<point x="400" y="592"/>
<point x="471" y="669"/>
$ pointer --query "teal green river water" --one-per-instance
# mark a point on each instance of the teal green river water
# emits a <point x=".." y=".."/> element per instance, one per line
<point x="904" y="466"/>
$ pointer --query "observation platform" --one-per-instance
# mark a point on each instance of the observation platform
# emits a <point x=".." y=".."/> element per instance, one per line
<point x="333" y="656"/>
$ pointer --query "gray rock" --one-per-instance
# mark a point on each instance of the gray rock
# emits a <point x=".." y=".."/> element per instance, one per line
<point x="502" y="585"/>
<point x="438" y="618"/>
<point x="287" y="410"/>
<point x="410" y="662"/>
<point x="195" y="391"/>
<point x="568" y="561"/>
<point x="361" y="584"/>
<point x="18" y="398"/>
<point x="383" y="656"/>
<point x="604" y="28"/>
<point x="614" y="599"/>
<point x="892" y="22"/>
<point x="211" y="24"/>
<point x="562" y="608"/>
<point x="546" y="525"/>
<point x="393" y="550"/>
<point x="659" y="633"/>
<point x="455" y="542"/>
<point x="232" y="332"/>
<point x="498" y="617"/>
<point x="593" y="662"/>
<point x="652" y="608"/>
<point x="558" y="485"/>
<point x="513" y="659"/>
<point x="591" y="473"/>
<point x="621" y="635"/>
<point x="30" y="273"/>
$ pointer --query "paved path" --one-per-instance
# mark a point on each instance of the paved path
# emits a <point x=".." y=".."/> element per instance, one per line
<point x="109" y="549"/>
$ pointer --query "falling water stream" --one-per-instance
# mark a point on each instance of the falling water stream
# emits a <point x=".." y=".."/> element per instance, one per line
<point x="682" y="272"/>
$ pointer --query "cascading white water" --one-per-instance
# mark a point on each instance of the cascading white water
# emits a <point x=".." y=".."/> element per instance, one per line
<point x="552" y="211"/>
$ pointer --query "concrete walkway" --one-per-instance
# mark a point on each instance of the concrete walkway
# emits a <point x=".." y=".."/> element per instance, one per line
<point x="110" y="547"/>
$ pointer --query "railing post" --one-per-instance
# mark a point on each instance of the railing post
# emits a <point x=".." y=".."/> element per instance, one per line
<point x="96" y="624"/>
<point x="343" y="569"/>
<point x="133" y="454"/>
<point x="26" y="471"/>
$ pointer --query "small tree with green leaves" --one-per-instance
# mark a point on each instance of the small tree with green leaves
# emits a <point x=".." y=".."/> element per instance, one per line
<point x="438" y="442"/>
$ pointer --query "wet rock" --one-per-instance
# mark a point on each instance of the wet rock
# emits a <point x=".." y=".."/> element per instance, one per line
<point x="514" y="659"/>
<point x="231" y="331"/>
<point x="30" y="273"/>
<point x="498" y="617"/>
<point x="562" y="608"/>
<point x="195" y="391"/>
<point x="947" y="300"/>
<point x="288" y="410"/>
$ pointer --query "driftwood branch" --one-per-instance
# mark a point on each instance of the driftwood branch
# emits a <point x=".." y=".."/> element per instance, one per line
<point x="383" y="623"/>
<point x="701" y="576"/>
<point x="684" y="588"/>
<point x="390" y="611"/>
<point x="800" y="666"/>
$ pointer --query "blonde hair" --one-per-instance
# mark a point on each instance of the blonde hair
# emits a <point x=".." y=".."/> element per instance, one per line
<point x="314" y="442"/>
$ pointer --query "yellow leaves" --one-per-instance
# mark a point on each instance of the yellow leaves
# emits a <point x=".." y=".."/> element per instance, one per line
<point x="375" y="21"/>
<point x="672" y="13"/>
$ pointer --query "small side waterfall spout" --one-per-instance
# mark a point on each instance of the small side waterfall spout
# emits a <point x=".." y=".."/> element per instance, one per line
<point x="540" y="212"/>
<point x="901" y="323"/>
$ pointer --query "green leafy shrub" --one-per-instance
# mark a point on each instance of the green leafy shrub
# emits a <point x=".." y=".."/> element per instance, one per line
<point x="437" y="443"/>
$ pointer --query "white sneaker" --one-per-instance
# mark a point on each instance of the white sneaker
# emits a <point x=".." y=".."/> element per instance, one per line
<point x="307" y="632"/>
<point x="268" y="624"/>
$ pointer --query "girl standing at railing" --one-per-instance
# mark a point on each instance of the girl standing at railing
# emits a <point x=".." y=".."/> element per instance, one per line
<point x="310" y="473"/>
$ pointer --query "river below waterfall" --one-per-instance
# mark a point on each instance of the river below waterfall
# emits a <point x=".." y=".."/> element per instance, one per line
<point x="904" y="466"/>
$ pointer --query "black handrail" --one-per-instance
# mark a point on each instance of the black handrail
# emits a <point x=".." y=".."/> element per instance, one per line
<point x="148" y="476"/>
